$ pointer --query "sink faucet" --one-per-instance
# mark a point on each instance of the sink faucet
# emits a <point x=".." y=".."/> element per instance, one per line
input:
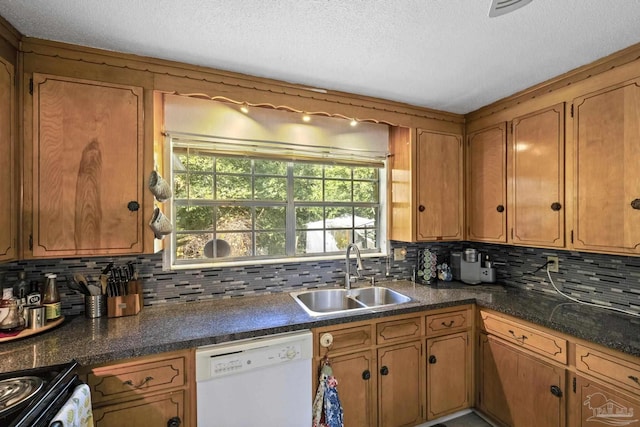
<point x="347" y="275"/>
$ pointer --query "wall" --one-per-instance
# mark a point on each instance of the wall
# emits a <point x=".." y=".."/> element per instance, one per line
<point x="609" y="279"/>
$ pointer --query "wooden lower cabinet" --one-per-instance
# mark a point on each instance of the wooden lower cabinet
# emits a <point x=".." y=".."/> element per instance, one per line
<point x="156" y="391"/>
<point x="448" y="374"/>
<point x="593" y="404"/>
<point x="151" y="411"/>
<point x="400" y="391"/>
<point x="356" y="374"/>
<point x="518" y="389"/>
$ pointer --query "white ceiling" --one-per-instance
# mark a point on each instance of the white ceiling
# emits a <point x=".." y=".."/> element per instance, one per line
<point x="443" y="54"/>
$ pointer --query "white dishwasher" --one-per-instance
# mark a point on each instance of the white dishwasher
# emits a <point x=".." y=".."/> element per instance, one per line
<point x="264" y="381"/>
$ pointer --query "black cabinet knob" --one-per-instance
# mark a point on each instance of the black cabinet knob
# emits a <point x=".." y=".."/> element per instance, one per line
<point x="555" y="390"/>
<point x="174" y="422"/>
<point x="384" y="370"/>
<point x="635" y="203"/>
<point x="555" y="206"/>
<point x="500" y="208"/>
<point x="421" y="208"/>
<point x="366" y="375"/>
<point x="133" y="206"/>
<point x="432" y="359"/>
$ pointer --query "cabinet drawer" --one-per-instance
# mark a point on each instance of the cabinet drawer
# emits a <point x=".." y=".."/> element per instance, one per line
<point x="345" y="339"/>
<point x="129" y="380"/>
<point x="609" y="368"/>
<point x="448" y="322"/>
<point x="397" y="330"/>
<point x="539" y="342"/>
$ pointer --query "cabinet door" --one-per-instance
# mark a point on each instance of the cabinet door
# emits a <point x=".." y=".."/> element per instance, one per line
<point x="151" y="411"/>
<point x="537" y="174"/>
<point x="517" y="389"/>
<point x="87" y="167"/>
<point x="592" y="404"/>
<point x="8" y="209"/>
<point x="356" y="377"/>
<point x="400" y="386"/>
<point x="487" y="185"/>
<point x="440" y="186"/>
<point x="607" y="177"/>
<point x="448" y="374"/>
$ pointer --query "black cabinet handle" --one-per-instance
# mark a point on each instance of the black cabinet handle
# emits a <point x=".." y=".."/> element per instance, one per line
<point x="432" y="359"/>
<point x="520" y="338"/>
<point x="500" y="208"/>
<point x="635" y="203"/>
<point x="421" y="208"/>
<point x="366" y="375"/>
<point x="133" y="206"/>
<point x="556" y="206"/>
<point x="384" y="370"/>
<point x="448" y="324"/>
<point x="634" y="379"/>
<point x="174" y="422"/>
<point x="555" y="390"/>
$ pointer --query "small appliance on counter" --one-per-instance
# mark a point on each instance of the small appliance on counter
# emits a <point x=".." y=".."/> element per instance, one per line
<point x="468" y="266"/>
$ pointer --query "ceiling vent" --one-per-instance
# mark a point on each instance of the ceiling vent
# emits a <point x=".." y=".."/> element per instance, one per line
<point x="502" y="7"/>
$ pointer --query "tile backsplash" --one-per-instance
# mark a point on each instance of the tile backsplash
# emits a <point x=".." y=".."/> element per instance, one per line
<point x="609" y="279"/>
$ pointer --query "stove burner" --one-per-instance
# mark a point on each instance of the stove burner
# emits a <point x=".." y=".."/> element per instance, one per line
<point x="14" y="391"/>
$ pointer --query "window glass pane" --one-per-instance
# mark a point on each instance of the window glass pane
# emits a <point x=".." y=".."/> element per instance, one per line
<point x="307" y="169"/>
<point x="302" y="240"/>
<point x="365" y="191"/>
<point x="190" y="246"/>
<point x="233" y="187"/>
<point x="309" y="218"/>
<point x="241" y="244"/>
<point x="339" y="218"/>
<point x="270" y="167"/>
<point x="343" y="172"/>
<point x="233" y="165"/>
<point x="271" y="218"/>
<point x="196" y="162"/>
<point x="365" y="173"/>
<point x="232" y="218"/>
<point x="194" y="218"/>
<point x="366" y="238"/>
<point x="366" y="217"/>
<point x="270" y="244"/>
<point x="337" y="191"/>
<point x="200" y="186"/>
<point x="337" y="240"/>
<point x="307" y="190"/>
<point x="269" y="188"/>
<point x="180" y="186"/>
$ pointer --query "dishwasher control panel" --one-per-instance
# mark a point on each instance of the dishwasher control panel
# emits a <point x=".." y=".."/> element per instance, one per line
<point x="232" y="363"/>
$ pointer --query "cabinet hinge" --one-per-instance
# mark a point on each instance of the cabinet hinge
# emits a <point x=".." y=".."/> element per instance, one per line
<point x="574" y="384"/>
<point x="512" y="128"/>
<point x="571" y="110"/>
<point x="511" y="233"/>
<point x="30" y="242"/>
<point x="30" y="86"/>
<point x="571" y="236"/>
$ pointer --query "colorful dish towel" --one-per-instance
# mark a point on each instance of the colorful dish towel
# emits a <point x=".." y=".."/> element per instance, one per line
<point x="77" y="411"/>
<point x="327" y="410"/>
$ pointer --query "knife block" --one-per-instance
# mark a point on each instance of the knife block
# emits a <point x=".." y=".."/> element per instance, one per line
<point x="126" y="305"/>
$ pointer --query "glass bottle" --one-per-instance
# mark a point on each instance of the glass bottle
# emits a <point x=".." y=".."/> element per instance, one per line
<point x="51" y="298"/>
<point x="34" y="297"/>
<point x="21" y="287"/>
<point x="12" y="319"/>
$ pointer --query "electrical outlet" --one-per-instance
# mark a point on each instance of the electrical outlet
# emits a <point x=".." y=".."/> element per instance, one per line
<point x="554" y="264"/>
<point x="399" y="254"/>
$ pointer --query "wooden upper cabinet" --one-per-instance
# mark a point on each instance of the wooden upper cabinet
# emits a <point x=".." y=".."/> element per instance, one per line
<point x="487" y="184"/>
<point x="440" y="188"/>
<point x="8" y="208"/>
<point x="426" y="180"/>
<point x="87" y="167"/>
<point x="536" y="164"/>
<point x="606" y="174"/>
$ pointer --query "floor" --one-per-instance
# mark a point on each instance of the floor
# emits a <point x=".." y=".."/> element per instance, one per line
<point x="468" y="420"/>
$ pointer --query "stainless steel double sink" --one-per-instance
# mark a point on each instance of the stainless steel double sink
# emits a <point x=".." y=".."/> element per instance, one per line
<point x="322" y="302"/>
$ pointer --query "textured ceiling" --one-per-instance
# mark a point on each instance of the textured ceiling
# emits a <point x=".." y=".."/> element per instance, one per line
<point x="443" y="54"/>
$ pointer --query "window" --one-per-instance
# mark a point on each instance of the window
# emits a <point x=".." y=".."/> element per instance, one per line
<point x="267" y="189"/>
<point x="230" y="208"/>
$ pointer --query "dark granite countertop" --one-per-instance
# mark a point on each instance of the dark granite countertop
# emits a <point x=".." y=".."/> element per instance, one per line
<point x="187" y="325"/>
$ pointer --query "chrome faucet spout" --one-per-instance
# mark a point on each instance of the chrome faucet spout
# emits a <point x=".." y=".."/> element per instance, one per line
<point x="359" y="268"/>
